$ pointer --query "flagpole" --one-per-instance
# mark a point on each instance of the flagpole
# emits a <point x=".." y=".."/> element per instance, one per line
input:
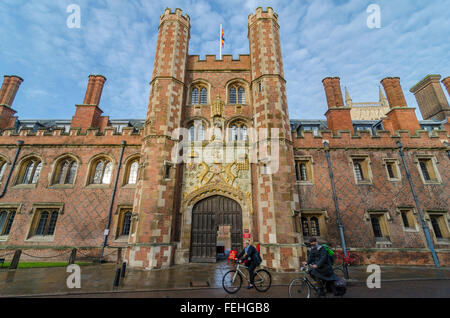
<point x="220" y="41"/>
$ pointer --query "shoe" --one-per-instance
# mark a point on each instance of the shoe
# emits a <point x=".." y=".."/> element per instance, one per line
<point x="249" y="287"/>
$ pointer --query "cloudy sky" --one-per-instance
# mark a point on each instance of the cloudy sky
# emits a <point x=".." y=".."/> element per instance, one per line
<point x="117" y="39"/>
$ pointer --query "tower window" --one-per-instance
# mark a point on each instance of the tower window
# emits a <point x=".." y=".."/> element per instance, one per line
<point x="199" y="95"/>
<point x="236" y="94"/>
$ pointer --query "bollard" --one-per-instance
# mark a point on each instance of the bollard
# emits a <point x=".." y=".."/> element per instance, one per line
<point x="73" y="256"/>
<point x="117" y="278"/>
<point x="124" y="268"/>
<point x="15" y="260"/>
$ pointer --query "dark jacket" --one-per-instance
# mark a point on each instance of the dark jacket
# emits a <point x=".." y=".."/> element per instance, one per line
<point x="319" y="256"/>
<point x="252" y="255"/>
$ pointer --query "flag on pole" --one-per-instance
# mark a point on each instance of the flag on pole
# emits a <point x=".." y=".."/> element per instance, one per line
<point x="221" y="41"/>
<point x="222" y="36"/>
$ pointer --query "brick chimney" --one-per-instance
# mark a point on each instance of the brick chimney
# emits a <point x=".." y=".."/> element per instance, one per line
<point x="89" y="115"/>
<point x="446" y="82"/>
<point x="338" y="116"/>
<point x="400" y="117"/>
<point x="431" y="98"/>
<point x="8" y="92"/>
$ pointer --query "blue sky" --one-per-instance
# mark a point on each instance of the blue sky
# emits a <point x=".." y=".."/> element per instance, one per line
<point x="117" y="39"/>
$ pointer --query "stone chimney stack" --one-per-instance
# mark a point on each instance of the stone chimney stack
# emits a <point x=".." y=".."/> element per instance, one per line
<point x="89" y="115"/>
<point x="8" y="92"/>
<point x="338" y="116"/>
<point x="431" y="98"/>
<point x="400" y="117"/>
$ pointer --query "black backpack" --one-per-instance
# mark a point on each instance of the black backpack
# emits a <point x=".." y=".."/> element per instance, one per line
<point x="340" y="287"/>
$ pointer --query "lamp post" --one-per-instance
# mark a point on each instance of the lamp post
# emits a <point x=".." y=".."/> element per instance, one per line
<point x="336" y="204"/>
<point x="416" y="200"/>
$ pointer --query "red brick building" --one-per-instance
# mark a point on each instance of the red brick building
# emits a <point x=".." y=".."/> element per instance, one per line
<point x="240" y="168"/>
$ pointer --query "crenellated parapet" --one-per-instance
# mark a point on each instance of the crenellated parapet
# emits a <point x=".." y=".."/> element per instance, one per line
<point x="177" y="15"/>
<point x="212" y="63"/>
<point x="263" y="14"/>
<point x="383" y="139"/>
<point x="75" y="136"/>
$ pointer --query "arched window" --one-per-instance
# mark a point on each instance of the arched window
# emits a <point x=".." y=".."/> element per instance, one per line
<point x="3" y="165"/>
<point x="199" y="95"/>
<point x="102" y="171"/>
<point x="66" y="171"/>
<point x="241" y="95"/>
<point x="195" y="96"/>
<point x="236" y="94"/>
<point x="233" y="95"/>
<point x="238" y="131"/>
<point x="196" y="132"/>
<point x="203" y="96"/>
<point x="131" y="172"/>
<point x="29" y="171"/>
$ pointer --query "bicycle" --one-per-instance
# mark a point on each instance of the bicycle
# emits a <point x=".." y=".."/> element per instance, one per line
<point x="232" y="280"/>
<point x="302" y="287"/>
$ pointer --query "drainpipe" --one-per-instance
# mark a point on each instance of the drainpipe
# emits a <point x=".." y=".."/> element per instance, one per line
<point x="339" y="221"/>
<point x="124" y="143"/>
<point x="19" y="147"/>
<point x="416" y="200"/>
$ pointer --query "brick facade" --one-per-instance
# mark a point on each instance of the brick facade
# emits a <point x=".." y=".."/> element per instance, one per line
<point x="272" y="193"/>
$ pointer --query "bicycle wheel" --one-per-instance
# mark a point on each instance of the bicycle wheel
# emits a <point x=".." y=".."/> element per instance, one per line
<point x="263" y="280"/>
<point x="298" y="288"/>
<point x="232" y="282"/>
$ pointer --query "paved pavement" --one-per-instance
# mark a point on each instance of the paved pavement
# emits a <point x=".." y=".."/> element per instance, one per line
<point x="190" y="280"/>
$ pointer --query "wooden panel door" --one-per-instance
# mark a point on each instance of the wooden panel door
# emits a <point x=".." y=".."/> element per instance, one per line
<point x="207" y="216"/>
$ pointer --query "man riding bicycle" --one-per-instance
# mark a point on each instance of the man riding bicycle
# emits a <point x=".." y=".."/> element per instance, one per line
<point x="252" y="259"/>
<point x="321" y="263"/>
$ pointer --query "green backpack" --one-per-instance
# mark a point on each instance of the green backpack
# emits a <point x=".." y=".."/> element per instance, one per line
<point x="330" y="253"/>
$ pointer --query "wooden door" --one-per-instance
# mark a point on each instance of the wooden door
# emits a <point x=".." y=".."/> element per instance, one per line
<point x="207" y="216"/>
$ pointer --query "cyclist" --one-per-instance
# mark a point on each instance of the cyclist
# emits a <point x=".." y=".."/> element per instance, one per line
<point x="321" y="263"/>
<point x="252" y="259"/>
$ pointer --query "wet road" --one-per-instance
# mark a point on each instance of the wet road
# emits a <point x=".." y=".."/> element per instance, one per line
<point x="407" y="289"/>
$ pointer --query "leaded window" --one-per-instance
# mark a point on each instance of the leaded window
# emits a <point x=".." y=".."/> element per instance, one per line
<point x="46" y="223"/>
<point x="30" y="171"/>
<point x="6" y="221"/>
<point x="66" y="171"/>
<point x="103" y="172"/>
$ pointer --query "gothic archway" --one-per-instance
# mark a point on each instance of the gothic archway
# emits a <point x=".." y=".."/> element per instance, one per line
<point x="207" y="215"/>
